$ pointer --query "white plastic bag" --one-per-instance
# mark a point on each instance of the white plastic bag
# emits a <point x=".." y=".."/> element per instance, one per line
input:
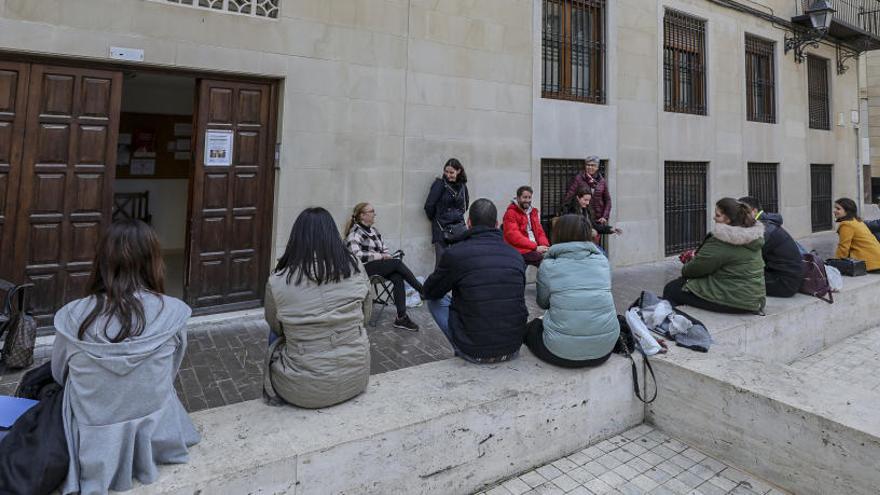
<point x="835" y="279"/>
<point x="640" y="332"/>
<point x="412" y="297"/>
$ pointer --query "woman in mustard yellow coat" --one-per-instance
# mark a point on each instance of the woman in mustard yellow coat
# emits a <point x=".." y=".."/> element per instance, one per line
<point x="855" y="239"/>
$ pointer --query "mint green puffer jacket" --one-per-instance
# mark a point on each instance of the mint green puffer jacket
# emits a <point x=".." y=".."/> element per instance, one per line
<point x="574" y="286"/>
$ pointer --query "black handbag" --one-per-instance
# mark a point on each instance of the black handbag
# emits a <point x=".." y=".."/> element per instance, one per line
<point x="20" y="329"/>
<point x="848" y="266"/>
<point x="452" y="232"/>
<point x="33" y="455"/>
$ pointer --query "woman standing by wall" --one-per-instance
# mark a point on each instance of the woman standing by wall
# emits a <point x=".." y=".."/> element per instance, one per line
<point x="317" y="302"/>
<point x="366" y="243"/>
<point x="446" y="205"/>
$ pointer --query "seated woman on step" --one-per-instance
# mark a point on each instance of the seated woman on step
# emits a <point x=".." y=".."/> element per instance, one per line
<point x="727" y="273"/>
<point x="366" y="243"/>
<point x="117" y="352"/>
<point x="317" y="303"/>
<point x="855" y="238"/>
<point x="580" y="326"/>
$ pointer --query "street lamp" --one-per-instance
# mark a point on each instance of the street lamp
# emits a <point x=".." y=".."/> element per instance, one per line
<point x="821" y="13"/>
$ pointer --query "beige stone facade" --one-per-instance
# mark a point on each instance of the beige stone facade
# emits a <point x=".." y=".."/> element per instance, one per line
<point x="377" y="94"/>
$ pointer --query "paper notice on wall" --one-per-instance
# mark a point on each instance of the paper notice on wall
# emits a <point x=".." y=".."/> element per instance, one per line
<point x="143" y="166"/>
<point x="218" y="148"/>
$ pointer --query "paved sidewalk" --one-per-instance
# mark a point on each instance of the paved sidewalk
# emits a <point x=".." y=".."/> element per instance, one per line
<point x="224" y="363"/>
<point x="852" y="361"/>
<point x="639" y="461"/>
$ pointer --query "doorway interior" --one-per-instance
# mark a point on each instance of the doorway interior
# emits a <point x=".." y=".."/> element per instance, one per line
<point x="154" y="162"/>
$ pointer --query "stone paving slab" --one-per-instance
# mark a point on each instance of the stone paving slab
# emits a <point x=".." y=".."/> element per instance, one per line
<point x="853" y="361"/>
<point x="640" y="461"/>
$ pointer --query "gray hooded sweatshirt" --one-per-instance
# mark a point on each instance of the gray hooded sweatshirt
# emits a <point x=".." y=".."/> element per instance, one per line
<point x="121" y="412"/>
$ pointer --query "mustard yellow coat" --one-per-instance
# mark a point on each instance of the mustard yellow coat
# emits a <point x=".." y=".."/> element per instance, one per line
<point x="857" y="242"/>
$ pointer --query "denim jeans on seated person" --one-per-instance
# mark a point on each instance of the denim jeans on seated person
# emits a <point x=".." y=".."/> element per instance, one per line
<point x="439" y="309"/>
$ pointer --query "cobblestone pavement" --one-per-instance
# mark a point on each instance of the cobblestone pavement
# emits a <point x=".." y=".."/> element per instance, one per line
<point x="640" y="461"/>
<point x="224" y="363"/>
<point x="853" y="361"/>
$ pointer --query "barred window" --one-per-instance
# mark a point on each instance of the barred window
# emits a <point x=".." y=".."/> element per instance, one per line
<point x="760" y="80"/>
<point x="574" y="50"/>
<point x="817" y="86"/>
<point x="764" y="185"/>
<point x="820" y="197"/>
<point x="256" y="8"/>
<point x="556" y="174"/>
<point x="684" y="205"/>
<point x="684" y="63"/>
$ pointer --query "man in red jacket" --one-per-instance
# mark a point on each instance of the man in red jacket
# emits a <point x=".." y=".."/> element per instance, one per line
<point x="522" y="228"/>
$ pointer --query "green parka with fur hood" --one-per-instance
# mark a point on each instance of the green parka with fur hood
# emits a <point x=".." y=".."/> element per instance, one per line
<point x="728" y="268"/>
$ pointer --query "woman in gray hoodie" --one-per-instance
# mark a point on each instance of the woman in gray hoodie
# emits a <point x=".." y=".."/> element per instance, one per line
<point x="117" y="352"/>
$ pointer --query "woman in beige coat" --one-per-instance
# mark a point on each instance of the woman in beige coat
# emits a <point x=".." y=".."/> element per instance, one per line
<point x="317" y="303"/>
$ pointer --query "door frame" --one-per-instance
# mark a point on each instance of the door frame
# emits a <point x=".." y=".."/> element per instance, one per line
<point x="268" y="200"/>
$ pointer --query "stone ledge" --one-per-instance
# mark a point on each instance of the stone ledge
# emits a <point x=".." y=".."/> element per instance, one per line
<point x="446" y="427"/>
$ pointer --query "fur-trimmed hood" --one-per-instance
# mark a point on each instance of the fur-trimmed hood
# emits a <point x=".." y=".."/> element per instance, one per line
<point x="750" y="237"/>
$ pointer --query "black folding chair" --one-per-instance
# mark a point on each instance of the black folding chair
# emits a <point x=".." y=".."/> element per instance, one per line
<point x="384" y="296"/>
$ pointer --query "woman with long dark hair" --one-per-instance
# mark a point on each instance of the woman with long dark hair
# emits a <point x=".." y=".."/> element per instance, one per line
<point x="317" y="303"/>
<point x="581" y="204"/>
<point x="366" y="243"/>
<point x="855" y="239"/>
<point x="446" y="205"/>
<point x="117" y="352"/>
<point x="580" y="326"/>
<point x="727" y="273"/>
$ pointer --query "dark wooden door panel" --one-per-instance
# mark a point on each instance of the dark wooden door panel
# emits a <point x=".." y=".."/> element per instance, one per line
<point x="13" y="104"/>
<point x="228" y="255"/>
<point x="67" y="179"/>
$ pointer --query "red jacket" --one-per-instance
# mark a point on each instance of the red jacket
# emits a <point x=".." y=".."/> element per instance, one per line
<point x="516" y="229"/>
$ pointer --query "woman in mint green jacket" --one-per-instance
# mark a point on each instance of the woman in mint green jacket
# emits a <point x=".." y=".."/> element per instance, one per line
<point x="580" y="326"/>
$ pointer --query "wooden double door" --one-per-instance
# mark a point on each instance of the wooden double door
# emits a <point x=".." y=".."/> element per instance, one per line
<point x="58" y="139"/>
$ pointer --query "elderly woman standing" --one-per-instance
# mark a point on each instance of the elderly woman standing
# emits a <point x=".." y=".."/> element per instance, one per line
<point x="592" y="180"/>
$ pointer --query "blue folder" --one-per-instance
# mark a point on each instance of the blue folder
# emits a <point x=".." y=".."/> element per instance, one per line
<point x="13" y="407"/>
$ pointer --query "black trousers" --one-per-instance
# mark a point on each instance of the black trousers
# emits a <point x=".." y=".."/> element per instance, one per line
<point x="395" y="271"/>
<point x="674" y="293"/>
<point x="778" y="286"/>
<point x="535" y="342"/>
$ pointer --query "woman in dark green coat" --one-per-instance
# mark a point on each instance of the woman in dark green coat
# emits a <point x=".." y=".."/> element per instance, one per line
<point x="727" y="273"/>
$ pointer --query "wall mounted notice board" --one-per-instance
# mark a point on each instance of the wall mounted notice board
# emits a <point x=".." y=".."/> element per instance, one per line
<point x="168" y="156"/>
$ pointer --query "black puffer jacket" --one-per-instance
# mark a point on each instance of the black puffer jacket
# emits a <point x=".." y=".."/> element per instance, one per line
<point x="781" y="253"/>
<point x="445" y="205"/>
<point x="874" y="227"/>
<point x="487" y="278"/>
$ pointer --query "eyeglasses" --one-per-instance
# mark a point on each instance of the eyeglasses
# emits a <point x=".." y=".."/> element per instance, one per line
<point x="367" y="212"/>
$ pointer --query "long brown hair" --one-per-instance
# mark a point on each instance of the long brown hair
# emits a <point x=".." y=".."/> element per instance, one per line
<point x="355" y="217"/>
<point x="128" y="260"/>
<point x="740" y="214"/>
<point x="572" y="228"/>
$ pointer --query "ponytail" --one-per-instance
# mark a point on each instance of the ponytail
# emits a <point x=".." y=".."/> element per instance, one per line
<point x="353" y="219"/>
<point x="739" y="213"/>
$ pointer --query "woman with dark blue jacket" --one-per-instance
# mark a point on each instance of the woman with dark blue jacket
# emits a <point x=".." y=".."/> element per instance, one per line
<point x="446" y="205"/>
<point x="580" y="327"/>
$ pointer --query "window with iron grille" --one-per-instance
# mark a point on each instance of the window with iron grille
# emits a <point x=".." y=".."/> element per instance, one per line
<point x="820" y="197"/>
<point x="574" y="50"/>
<point x="760" y="80"/>
<point x="255" y="8"/>
<point x="684" y="205"/>
<point x="817" y="86"/>
<point x="764" y="185"/>
<point x="556" y="174"/>
<point x="684" y="63"/>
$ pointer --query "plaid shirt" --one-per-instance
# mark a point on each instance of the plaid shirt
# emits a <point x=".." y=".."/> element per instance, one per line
<point x="366" y="243"/>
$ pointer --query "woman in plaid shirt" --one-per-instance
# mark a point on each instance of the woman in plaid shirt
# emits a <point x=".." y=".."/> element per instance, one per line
<point x="366" y="243"/>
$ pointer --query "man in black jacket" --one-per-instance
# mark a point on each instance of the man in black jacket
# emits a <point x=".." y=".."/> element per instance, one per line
<point x="485" y="317"/>
<point x="874" y="227"/>
<point x="783" y="263"/>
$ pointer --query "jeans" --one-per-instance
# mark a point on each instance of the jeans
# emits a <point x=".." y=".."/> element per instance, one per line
<point x="439" y="309"/>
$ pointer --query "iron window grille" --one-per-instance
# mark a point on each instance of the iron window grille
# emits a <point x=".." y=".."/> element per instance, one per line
<point x="764" y="185"/>
<point x="685" y="209"/>
<point x="760" y="80"/>
<point x="573" y="44"/>
<point x="255" y="8"/>
<point x="820" y="197"/>
<point x="817" y="86"/>
<point x="684" y="63"/>
<point x="556" y="174"/>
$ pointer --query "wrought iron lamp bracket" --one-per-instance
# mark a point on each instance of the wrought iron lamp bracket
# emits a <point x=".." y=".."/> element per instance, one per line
<point x="844" y="55"/>
<point x="800" y="39"/>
